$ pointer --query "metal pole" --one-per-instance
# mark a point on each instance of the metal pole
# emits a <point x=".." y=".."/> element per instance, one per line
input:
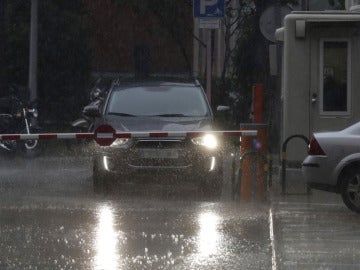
<point x="220" y="50"/>
<point x="33" y="50"/>
<point x="196" y="49"/>
<point x="208" y="66"/>
<point x="2" y="43"/>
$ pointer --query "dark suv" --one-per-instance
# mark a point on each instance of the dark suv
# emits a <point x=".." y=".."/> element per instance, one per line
<point x="158" y="106"/>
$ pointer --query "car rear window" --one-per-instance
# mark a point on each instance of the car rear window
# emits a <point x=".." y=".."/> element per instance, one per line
<point x="164" y="101"/>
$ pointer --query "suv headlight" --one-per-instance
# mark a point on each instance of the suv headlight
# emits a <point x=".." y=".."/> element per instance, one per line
<point x="119" y="142"/>
<point x="208" y="140"/>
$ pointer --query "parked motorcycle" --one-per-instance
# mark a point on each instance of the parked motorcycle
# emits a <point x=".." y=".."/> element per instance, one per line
<point x="97" y="96"/>
<point x="16" y="117"/>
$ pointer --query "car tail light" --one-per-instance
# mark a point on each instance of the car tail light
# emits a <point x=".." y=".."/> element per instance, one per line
<point x="315" y="148"/>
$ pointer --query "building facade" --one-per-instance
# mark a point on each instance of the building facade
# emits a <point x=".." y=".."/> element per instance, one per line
<point x="320" y="85"/>
<point x="127" y="41"/>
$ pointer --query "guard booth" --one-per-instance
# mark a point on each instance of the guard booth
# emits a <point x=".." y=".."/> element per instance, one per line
<point x="320" y="74"/>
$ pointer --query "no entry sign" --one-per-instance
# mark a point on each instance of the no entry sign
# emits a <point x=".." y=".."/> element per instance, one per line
<point x="105" y="135"/>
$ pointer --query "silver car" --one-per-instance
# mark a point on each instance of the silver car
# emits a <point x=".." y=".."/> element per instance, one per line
<point x="158" y="106"/>
<point x="333" y="164"/>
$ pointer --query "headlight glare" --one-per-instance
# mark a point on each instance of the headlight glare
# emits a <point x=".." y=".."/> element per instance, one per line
<point x="208" y="140"/>
<point x="120" y="142"/>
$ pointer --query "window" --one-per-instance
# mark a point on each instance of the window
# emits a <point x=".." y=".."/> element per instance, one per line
<point x="334" y="83"/>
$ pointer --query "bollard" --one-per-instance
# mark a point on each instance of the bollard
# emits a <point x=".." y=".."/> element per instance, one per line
<point x="284" y="161"/>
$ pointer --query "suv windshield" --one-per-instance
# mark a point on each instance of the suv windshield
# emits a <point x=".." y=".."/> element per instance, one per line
<point x="166" y="101"/>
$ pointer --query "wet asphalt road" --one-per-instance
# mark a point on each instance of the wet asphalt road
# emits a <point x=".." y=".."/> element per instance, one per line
<point x="50" y="219"/>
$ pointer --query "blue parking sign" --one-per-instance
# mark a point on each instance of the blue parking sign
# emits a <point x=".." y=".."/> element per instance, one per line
<point x="209" y="8"/>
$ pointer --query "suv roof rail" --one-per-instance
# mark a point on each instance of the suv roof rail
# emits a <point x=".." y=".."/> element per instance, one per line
<point x="197" y="83"/>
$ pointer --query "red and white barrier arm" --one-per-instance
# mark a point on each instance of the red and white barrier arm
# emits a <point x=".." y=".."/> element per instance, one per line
<point x="49" y="136"/>
<point x="182" y="134"/>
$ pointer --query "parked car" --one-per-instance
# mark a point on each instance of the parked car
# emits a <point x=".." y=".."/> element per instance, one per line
<point x="333" y="164"/>
<point x="158" y="106"/>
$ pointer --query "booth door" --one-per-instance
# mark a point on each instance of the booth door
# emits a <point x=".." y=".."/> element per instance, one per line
<point x="331" y="78"/>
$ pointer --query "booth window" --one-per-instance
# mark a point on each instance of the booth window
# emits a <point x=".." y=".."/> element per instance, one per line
<point x="335" y="79"/>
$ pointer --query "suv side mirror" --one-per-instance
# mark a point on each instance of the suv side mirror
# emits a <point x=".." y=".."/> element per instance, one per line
<point x="92" y="111"/>
<point x="222" y="108"/>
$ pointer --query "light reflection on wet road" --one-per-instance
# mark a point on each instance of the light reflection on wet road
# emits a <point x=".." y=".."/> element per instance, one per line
<point x="49" y="219"/>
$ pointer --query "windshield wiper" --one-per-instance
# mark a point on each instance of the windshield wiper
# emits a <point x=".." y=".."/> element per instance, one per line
<point x="171" y="115"/>
<point x="121" y="114"/>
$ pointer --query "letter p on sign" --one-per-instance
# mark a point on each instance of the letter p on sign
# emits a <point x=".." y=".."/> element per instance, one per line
<point x="209" y="9"/>
<point x="205" y="3"/>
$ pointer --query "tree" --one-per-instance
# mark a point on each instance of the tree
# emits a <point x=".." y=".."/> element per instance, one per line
<point x="233" y="21"/>
<point x="250" y="56"/>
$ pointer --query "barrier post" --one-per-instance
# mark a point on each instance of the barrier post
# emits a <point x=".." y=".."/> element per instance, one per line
<point x="259" y="144"/>
<point x="246" y="169"/>
<point x="258" y="101"/>
<point x="262" y="148"/>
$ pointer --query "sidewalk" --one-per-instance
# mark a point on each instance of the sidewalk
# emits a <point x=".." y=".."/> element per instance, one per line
<point x="296" y="190"/>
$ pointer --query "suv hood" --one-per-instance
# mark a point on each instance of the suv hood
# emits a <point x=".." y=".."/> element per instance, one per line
<point x="144" y="124"/>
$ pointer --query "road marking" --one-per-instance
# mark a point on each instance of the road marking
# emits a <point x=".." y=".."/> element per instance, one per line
<point x="272" y="240"/>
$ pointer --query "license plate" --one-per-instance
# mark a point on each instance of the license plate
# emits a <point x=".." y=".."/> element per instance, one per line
<point x="159" y="153"/>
